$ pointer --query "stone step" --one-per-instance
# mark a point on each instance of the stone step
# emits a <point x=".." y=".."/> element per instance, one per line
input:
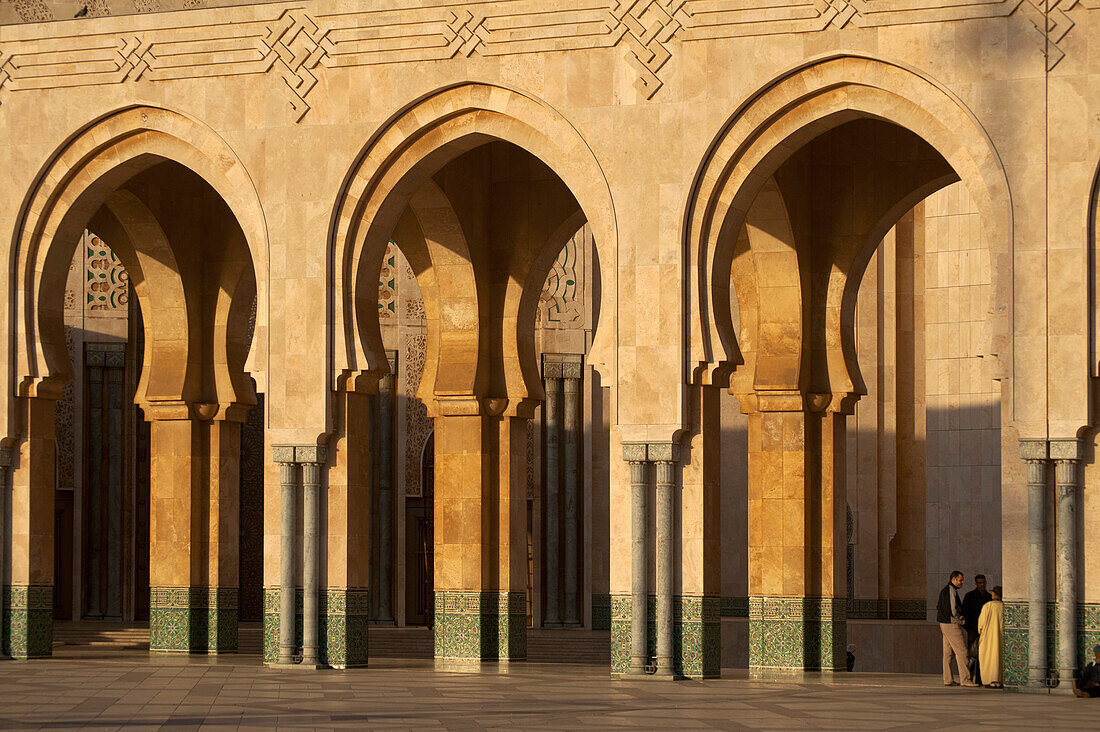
<point x="544" y="645"/>
<point x="568" y="645"/>
<point x="101" y="634"/>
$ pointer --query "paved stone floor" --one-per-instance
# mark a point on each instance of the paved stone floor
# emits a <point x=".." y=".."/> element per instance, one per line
<point x="122" y="689"/>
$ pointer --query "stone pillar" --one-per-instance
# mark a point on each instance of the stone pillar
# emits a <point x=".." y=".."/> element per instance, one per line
<point x="510" y="545"/>
<point x="385" y="492"/>
<point x="288" y="474"/>
<point x="796" y="509"/>
<point x="194" y="526"/>
<point x="1035" y="453"/>
<point x="344" y="633"/>
<point x="221" y="544"/>
<point x="480" y="532"/>
<point x="636" y="455"/>
<point x="698" y="511"/>
<point x="667" y="456"/>
<point x="552" y="421"/>
<point x="571" y="539"/>
<point x="311" y="487"/>
<point x="1065" y="455"/>
<point x="28" y="600"/>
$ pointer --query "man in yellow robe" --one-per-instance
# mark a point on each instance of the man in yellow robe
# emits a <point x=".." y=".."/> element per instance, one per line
<point x="991" y="625"/>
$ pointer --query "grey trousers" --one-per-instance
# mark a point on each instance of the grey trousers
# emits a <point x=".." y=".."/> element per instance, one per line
<point x="954" y="642"/>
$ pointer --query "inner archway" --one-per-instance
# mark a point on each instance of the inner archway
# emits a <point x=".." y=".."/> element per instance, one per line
<point x="798" y="195"/>
<point x="190" y="264"/>
<point x="479" y="210"/>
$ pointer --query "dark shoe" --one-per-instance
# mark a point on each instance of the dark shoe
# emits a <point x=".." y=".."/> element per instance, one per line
<point x="1080" y="694"/>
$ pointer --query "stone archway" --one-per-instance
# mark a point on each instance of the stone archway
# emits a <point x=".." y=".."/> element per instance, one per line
<point x="796" y="139"/>
<point x="184" y="220"/>
<point x="432" y="180"/>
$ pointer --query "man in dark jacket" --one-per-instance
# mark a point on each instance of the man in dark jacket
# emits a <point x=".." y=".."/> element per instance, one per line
<point x="972" y="610"/>
<point x="949" y="614"/>
<point x="1089" y="683"/>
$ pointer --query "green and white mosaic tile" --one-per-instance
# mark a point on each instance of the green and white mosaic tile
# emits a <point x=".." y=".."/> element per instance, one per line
<point x="480" y="626"/>
<point x="796" y="633"/>
<point x="193" y="619"/>
<point x="697" y="635"/>
<point x="343" y="626"/>
<point x="601" y="611"/>
<point x="28" y="621"/>
<point x="1015" y="647"/>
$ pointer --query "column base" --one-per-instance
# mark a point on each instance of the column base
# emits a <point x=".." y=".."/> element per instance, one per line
<point x="474" y="626"/>
<point x="28" y="621"/>
<point x="796" y="634"/>
<point x="294" y="666"/>
<point x="193" y="619"/>
<point x="343" y="627"/>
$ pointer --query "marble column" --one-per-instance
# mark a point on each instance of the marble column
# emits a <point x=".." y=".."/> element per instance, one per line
<point x="552" y="421"/>
<point x="1035" y="454"/>
<point x="311" y="487"/>
<point x="571" y="539"/>
<point x="1065" y="456"/>
<point x="635" y="455"/>
<point x="385" y="493"/>
<point x="666" y="502"/>
<point x="288" y="472"/>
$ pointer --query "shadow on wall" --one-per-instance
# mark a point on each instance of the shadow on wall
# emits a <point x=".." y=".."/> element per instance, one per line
<point x="962" y="530"/>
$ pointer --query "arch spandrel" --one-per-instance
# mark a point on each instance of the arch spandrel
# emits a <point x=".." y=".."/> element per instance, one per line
<point x="791" y="111"/>
<point x="414" y="145"/>
<point x="74" y="185"/>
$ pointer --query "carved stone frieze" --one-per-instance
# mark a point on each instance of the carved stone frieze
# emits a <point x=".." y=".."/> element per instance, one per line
<point x="296" y="42"/>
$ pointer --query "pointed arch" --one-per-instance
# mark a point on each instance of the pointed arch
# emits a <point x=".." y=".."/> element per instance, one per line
<point x="789" y="112"/>
<point x="72" y="187"/>
<point x="413" y="146"/>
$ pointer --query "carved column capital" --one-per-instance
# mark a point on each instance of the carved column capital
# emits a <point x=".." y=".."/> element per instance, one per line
<point x="1034" y="449"/>
<point x="305" y="454"/>
<point x="635" y="452"/>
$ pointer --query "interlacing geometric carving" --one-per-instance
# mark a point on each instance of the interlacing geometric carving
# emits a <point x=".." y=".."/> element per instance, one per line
<point x="297" y="43"/>
<point x="1051" y="27"/>
<point x="646" y="26"/>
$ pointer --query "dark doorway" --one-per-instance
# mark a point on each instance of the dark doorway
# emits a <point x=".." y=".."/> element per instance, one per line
<point x="419" y="543"/>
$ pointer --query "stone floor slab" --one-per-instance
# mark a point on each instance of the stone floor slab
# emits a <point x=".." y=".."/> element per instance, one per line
<point x="127" y="689"/>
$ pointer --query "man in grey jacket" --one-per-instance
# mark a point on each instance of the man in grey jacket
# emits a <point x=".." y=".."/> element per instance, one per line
<point x="949" y="614"/>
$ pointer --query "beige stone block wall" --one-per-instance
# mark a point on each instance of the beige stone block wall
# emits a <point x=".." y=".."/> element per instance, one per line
<point x="964" y="401"/>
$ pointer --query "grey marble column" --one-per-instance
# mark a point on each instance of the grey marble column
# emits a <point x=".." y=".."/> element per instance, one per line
<point x="385" y="494"/>
<point x="1064" y="453"/>
<point x="311" y="487"/>
<point x="288" y="473"/>
<point x="552" y="421"/>
<point x="571" y="540"/>
<point x="1035" y="454"/>
<point x="666" y="500"/>
<point x="635" y="455"/>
